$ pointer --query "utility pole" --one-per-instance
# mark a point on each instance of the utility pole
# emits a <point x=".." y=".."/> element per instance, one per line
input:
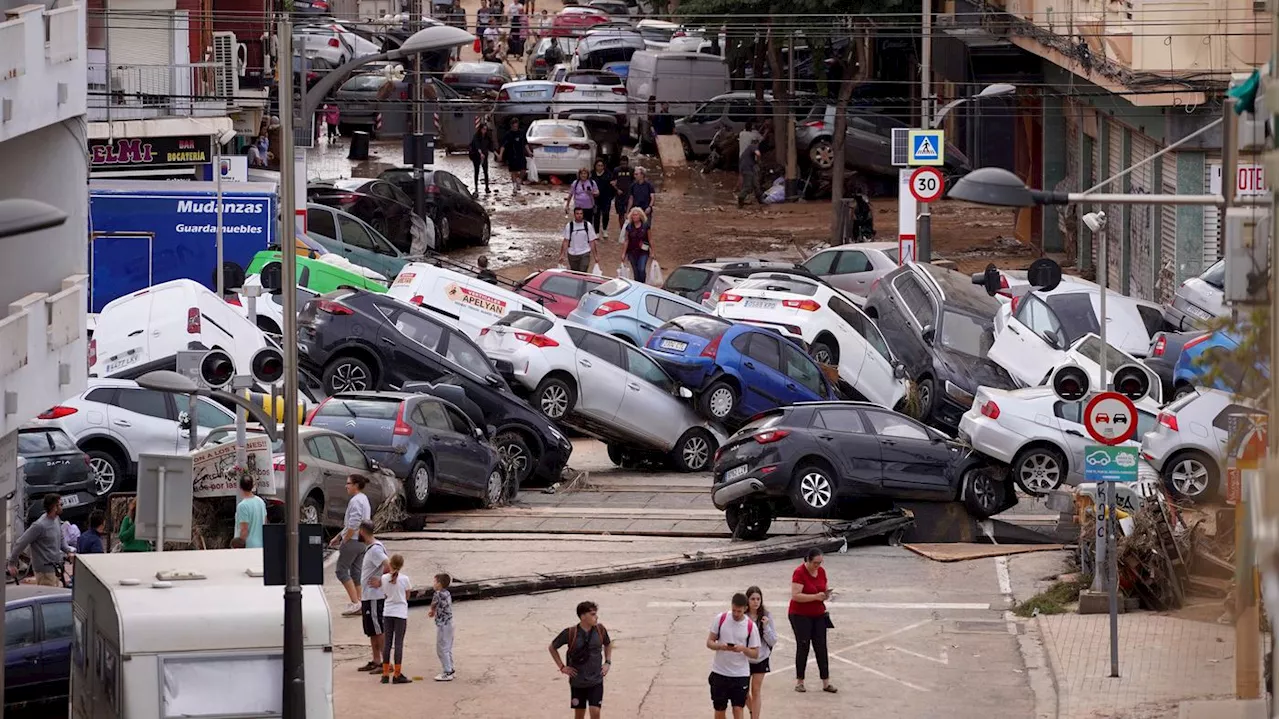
<point x="419" y="119"/>
<point x="924" y="242"/>
<point x="294" y="700"/>
<point x="793" y="170"/>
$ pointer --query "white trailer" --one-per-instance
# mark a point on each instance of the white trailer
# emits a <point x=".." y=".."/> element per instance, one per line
<point x="189" y="634"/>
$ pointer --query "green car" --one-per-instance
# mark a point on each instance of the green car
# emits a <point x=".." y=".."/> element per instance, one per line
<point x="317" y="276"/>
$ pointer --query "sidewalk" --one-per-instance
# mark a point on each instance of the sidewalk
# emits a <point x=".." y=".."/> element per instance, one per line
<point x="1163" y="660"/>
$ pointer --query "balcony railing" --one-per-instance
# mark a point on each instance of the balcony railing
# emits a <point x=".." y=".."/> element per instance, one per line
<point x="136" y="92"/>
<point x="42" y="351"/>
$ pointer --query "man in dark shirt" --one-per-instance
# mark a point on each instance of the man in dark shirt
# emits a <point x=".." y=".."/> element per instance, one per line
<point x="587" y="641"/>
<point x="91" y="541"/>
<point x="641" y="194"/>
<point x="622" y="178"/>
<point x="748" y="163"/>
<point x="664" y="123"/>
<point x="483" y="273"/>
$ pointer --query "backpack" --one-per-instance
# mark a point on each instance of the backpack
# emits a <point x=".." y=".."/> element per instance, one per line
<point x="573" y="641"/>
<point x="720" y="626"/>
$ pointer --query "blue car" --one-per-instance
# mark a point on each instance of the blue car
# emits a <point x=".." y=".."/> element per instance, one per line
<point x="1199" y="354"/>
<point x="630" y="310"/>
<point x="38" y="630"/>
<point x="737" y="370"/>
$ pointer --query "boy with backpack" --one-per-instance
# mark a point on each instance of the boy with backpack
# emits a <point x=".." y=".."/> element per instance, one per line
<point x="736" y="641"/>
<point x="587" y="641"/>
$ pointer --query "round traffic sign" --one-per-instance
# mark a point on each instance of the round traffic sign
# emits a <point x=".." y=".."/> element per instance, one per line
<point x="927" y="184"/>
<point x="1110" y="418"/>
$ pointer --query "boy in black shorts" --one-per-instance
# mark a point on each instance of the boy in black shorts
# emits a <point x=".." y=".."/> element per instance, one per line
<point x="587" y="641"/>
<point x="736" y="641"/>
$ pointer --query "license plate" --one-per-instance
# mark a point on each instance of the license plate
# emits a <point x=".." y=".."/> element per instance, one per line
<point x="359" y="107"/>
<point x="1197" y="312"/>
<point x="70" y="500"/>
<point x="676" y="345"/>
<point x="760" y="304"/>
<point x="533" y="94"/>
<point x="592" y="93"/>
<point x="122" y="362"/>
<point x="736" y="472"/>
<point x="555" y="150"/>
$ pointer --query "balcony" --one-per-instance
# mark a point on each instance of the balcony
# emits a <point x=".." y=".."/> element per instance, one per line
<point x="144" y="92"/>
<point x="43" y="354"/>
<point x="42" y="61"/>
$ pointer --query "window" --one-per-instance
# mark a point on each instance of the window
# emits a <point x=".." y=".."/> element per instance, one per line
<point x="648" y="370"/>
<point x="740" y="111"/>
<point x="1224" y="417"/>
<point x="704" y="326"/>
<point x="536" y="324"/>
<point x="1041" y="320"/>
<point x="354" y="234"/>
<point x="602" y="347"/>
<point x="144" y="401"/>
<point x="58" y="622"/>
<point x="431" y="415"/>
<point x="321" y="223"/>
<point x="850" y="262"/>
<point x="19" y="627"/>
<point x="419" y="329"/>
<point x="764" y="349"/>
<point x="322" y="449"/>
<point x="891" y="254"/>
<point x="779" y="283"/>
<point x="105" y="395"/>
<point x="893" y="425"/>
<point x="820" y="264"/>
<point x="802" y="369"/>
<point x="915" y="299"/>
<point x="350" y="453"/>
<point x="665" y="309"/>
<point x="564" y="285"/>
<point x="612" y="288"/>
<point x="364" y="408"/>
<point x="462" y="353"/>
<point x="209" y="414"/>
<point x="863" y="326"/>
<point x="1075" y="315"/>
<point x="1070" y="411"/>
<point x="709" y="112"/>
<point x="840" y="420"/>
<point x="1152" y="318"/>
<point x="461" y="424"/>
<point x="967" y="334"/>
<point x="43" y="441"/>
<point x="687" y="279"/>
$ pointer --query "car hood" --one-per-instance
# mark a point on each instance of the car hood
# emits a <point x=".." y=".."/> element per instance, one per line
<point x="971" y="372"/>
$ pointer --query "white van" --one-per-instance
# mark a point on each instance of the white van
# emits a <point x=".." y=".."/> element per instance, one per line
<point x="144" y="330"/>
<point x="682" y="79"/>
<point x="465" y="302"/>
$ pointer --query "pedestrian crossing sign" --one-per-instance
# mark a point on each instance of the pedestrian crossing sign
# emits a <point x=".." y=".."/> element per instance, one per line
<point x="925" y="147"/>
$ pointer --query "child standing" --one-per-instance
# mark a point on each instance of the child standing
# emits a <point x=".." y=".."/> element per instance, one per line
<point x="395" y="619"/>
<point x="442" y="610"/>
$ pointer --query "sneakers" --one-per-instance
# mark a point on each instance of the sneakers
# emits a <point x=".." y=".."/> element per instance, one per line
<point x="369" y="667"/>
<point x="353" y="609"/>
<point x="400" y="679"/>
<point x="444" y="677"/>
<point x="386" y="678"/>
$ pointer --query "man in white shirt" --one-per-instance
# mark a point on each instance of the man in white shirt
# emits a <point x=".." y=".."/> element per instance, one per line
<point x="374" y="564"/>
<point x="736" y="641"/>
<point x="579" y="246"/>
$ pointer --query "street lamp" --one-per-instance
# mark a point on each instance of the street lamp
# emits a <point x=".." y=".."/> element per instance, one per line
<point x="995" y="90"/>
<point x="1001" y="188"/>
<point x="20" y="216"/>
<point x="170" y="382"/>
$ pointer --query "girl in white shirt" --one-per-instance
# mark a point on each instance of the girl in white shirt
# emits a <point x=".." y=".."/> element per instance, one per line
<point x="395" y="619"/>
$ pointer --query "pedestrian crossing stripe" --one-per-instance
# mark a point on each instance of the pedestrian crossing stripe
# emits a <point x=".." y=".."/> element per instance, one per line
<point x="925" y="147"/>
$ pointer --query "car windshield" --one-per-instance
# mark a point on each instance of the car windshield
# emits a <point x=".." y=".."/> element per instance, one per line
<point x="611" y="288"/>
<point x="476" y="68"/>
<point x="1216" y="275"/>
<point x="891" y="253"/>
<point x="361" y="408"/>
<point x="704" y="326"/>
<point x="1091" y="349"/>
<point x="536" y="324"/>
<point x="966" y="334"/>
<point x="687" y="279"/>
<point x="1075" y="313"/>
<point x="223" y="436"/>
<point x="773" y="283"/>
<point x="657" y="34"/>
<point x="593" y="78"/>
<point x="557" y="130"/>
<point x="364" y="83"/>
<point x="43" y="441"/>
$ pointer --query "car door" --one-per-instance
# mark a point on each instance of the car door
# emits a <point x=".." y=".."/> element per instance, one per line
<point x="408" y="342"/>
<point x="353" y="460"/>
<point x="915" y="309"/>
<point x="359" y="246"/>
<point x="22" y="668"/>
<point x="853" y="272"/>
<point x="846" y="442"/>
<point x="473" y="457"/>
<point x="58" y="629"/>
<point x="702" y="125"/>
<point x="463" y="217"/>
<point x="805" y="382"/>
<point x="860" y="358"/>
<point x="445" y="443"/>
<point x="649" y="406"/>
<point x="864" y="146"/>
<point x="602" y="377"/>
<point x="915" y="460"/>
<point x="146" y="419"/>
<point x="331" y="476"/>
<point x="323" y="221"/>
<point x="760" y="366"/>
<point x="1031" y="343"/>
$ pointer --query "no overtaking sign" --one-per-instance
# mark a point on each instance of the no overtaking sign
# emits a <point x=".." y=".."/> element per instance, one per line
<point x="1110" y="418"/>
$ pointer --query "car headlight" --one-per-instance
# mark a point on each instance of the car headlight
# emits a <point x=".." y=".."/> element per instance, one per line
<point x="958" y="393"/>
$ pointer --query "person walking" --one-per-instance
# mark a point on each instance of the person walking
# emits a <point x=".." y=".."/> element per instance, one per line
<point x="768" y="639"/>
<point x="129" y="541"/>
<point x="586" y="661"/>
<point x="735" y="641"/>
<point x="640" y="194"/>
<point x="48" y="548"/>
<point x="579" y="245"/>
<point x="748" y="176"/>
<point x="251" y="514"/>
<point x="515" y="153"/>
<point x="602" y="176"/>
<point x="479" y="150"/>
<point x="808" y="616"/>
<point x="483" y="273"/>
<point x="442" y="611"/>
<point x="373" y="599"/>
<point x="395" y="617"/>
<point x="90" y="541"/>
<point x="639" y="244"/>
<point x="350" y="549"/>
<point x="582" y="195"/>
<point x="332" y="116"/>
<point x="623" y="176"/>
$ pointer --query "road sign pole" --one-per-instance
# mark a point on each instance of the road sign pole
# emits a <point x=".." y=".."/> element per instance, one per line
<point x="160" y="512"/>
<point x="1112" y="580"/>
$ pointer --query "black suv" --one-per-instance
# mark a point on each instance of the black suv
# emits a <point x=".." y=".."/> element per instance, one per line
<point x="358" y="341"/>
<point x="697" y="280"/>
<point x="940" y="325"/>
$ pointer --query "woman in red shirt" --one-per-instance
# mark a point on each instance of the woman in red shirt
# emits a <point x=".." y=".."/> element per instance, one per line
<point x="808" y="615"/>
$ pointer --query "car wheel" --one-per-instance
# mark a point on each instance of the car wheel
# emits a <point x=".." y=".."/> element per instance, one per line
<point x="1191" y="475"/>
<point x="106" y="470"/>
<point x="823" y="352"/>
<point x="347" y="374"/>
<point x="554" y="398"/>
<point x="813" y="490"/>
<point x="694" y="451"/>
<point x="442" y="233"/>
<point x="983" y="492"/>
<point x="822" y="153"/>
<point x="617" y="454"/>
<point x="1182" y="391"/>
<point x="515" y="454"/>
<point x="688" y="149"/>
<point x="485" y="233"/>
<point x="494" y="487"/>
<point x="718" y="401"/>
<point x="748" y="520"/>
<point x="311" y="511"/>
<point x="417" y="488"/>
<point x="924" y="393"/>
<point x="1039" y="469"/>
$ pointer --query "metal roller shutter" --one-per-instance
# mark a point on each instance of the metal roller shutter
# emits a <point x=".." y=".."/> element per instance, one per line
<point x="1142" y="223"/>
<point x="1210" y="249"/>
<point x="1167" y="275"/>
<point x="140" y="47"/>
<point x="1115" y="234"/>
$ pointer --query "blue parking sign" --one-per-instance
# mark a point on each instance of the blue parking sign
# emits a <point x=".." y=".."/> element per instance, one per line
<point x="1110" y="464"/>
<point x="926" y="147"/>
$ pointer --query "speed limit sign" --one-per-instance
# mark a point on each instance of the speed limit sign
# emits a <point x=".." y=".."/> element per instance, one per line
<point x="927" y="184"/>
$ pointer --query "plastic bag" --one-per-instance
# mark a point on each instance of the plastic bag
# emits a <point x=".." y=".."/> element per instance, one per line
<point x="655" y="274"/>
<point x="476" y="46"/>
<point x="622" y="235"/>
<point x="595" y="270"/>
<point x="777" y="193"/>
<point x="624" y="271"/>
<point x="533" y="171"/>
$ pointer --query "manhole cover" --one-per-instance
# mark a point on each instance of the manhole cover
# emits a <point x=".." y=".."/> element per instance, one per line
<point x="994" y="626"/>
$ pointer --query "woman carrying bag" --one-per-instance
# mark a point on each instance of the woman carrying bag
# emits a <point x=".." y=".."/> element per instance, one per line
<point x="639" y="246"/>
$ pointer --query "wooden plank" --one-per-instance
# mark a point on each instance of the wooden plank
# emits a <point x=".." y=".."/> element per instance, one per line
<point x="671" y="152"/>
<point x="952" y="552"/>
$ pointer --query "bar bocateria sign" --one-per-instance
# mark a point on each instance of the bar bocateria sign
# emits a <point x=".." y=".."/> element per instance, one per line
<point x="150" y="152"/>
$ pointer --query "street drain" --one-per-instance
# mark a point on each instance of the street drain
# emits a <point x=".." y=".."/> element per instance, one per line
<point x="995" y="626"/>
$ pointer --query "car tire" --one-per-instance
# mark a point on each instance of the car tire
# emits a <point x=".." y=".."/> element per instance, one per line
<point x="824" y="351"/>
<point x="688" y="149"/>
<point x="749" y="520"/>
<point x="1191" y="475"/>
<point x="1182" y="391"/>
<point x="925" y="391"/>
<point x="486" y="233"/>
<point x="417" y="486"/>
<point x="718" y="401"/>
<point x="515" y="451"/>
<point x="442" y="233"/>
<point x="347" y="374"/>
<point x="813" y="490"/>
<point x="617" y="454"/>
<point x="984" y="492"/>
<point x="312" y="511"/>
<point x="495" y="486"/>
<point x="108" y="475"/>
<point x="1038" y="470"/>
<point x="554" y="398"/>
<point x="821" y="153"/>
<point x="694" y="451"/>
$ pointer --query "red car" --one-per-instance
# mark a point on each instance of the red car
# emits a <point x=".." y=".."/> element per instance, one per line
<point x="576" y="21"/>
<point x="559" y="290"/>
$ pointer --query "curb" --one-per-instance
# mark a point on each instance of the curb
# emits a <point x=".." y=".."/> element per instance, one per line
<point x="1042" y="670"/>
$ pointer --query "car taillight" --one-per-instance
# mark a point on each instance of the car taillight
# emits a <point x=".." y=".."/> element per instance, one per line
<point x="539" y="62"/>
<point x="1169" y="420"/>
<point x="1004" y="285"/>
<point x="1194" y="342"/>
<point x="769" y="436"/>
<point x="806" y="305"/>
<point x="564" y="87"/>
<point x="730" y="297"/>
<point x="93" y="352"/>
<point x="504" y="96"/>
<point x="1013" y="304"/>
<point x="333" y="42"/>
<point x="619" y="90"/>
<point x="193" y="321"/>
<point x="450" y="77"/>
<point x="484" y="331"/>
<point x="611" y="306"/>
<point x="333" y="308"/>
<point x="706" y="295"/>
<point x="712" y="348"/>
<point x="279" y="465"/>
<point x="348" y="198"/>
<point x="495" y="80"/>
<point x="580" y="146"/>
<point x="536" y="340"/>
<point x="716" y="458"/>
<point x="1158" y="350"/>
<point x="234" y="300"/>
<point x="316" y="411"/>
<point x="402" y="428"/>
<point x="815" y="124"/>
<point x="56" y="412"/>
<point x="404" y="94"/>
<point x="990" y="409"/>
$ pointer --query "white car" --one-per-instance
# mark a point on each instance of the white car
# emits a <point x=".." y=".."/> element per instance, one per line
<point x="464" y="302"/>
<point x="827" y="322"/>
<point x="333" y="43"/>
<point x="657" y="34"/>
<point x="144" y="330"/>
<point x="561" y="147"/>
<point x="1188" y="444"/>
<point x="1199" y="300"/>
<point x="590" y="92"/>
<point x="114" y="420"/>
<point x="604" y="387"/>
<point x="854" y="267"/>
<point x="1039" y="436"/>
<point x="269" y="306"/>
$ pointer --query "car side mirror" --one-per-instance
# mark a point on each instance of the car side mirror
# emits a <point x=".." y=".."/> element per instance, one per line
<point x="926" y="334"/>
<point x="374" y="466"/>
<point x="479" y="433"/>
<point x="1052" y="339"/>
<point x="899" y="371"/>
<point x="684" y="392"/>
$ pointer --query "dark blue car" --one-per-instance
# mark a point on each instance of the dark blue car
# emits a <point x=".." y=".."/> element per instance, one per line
<point x="736" y="370"/>
<point x="38" y="629"/>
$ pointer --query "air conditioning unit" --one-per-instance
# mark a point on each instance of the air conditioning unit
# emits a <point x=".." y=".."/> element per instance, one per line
<point x="229" y="67"/>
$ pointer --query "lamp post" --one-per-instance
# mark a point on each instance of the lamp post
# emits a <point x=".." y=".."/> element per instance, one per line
<point x="170" y="382"/>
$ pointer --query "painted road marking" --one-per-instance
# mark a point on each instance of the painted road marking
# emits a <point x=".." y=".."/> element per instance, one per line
<point x="931" y="606"/>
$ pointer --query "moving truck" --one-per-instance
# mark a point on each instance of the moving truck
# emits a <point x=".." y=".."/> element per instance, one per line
<point x="682" y="79"/>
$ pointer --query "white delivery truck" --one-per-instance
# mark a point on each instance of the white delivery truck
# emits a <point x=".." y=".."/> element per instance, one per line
<point x="189" y="634"/>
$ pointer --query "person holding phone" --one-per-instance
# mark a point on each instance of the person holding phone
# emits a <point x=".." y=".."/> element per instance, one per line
<point x="736" y="641"/>
<point x="809" y="618"/>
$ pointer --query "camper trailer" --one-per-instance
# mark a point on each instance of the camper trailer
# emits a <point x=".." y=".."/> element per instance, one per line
<point x="161" y="635"/>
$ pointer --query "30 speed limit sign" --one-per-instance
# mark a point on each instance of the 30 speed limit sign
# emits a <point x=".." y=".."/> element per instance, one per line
<point x="927" y="184"/>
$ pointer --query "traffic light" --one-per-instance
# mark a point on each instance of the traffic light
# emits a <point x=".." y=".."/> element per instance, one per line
<point x="217" y="369"/>
<point x="988" y="279"/>
<point x="1070" y="383"/>
<point x="267" y="365"/>
<point x="1131" y="381"/>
